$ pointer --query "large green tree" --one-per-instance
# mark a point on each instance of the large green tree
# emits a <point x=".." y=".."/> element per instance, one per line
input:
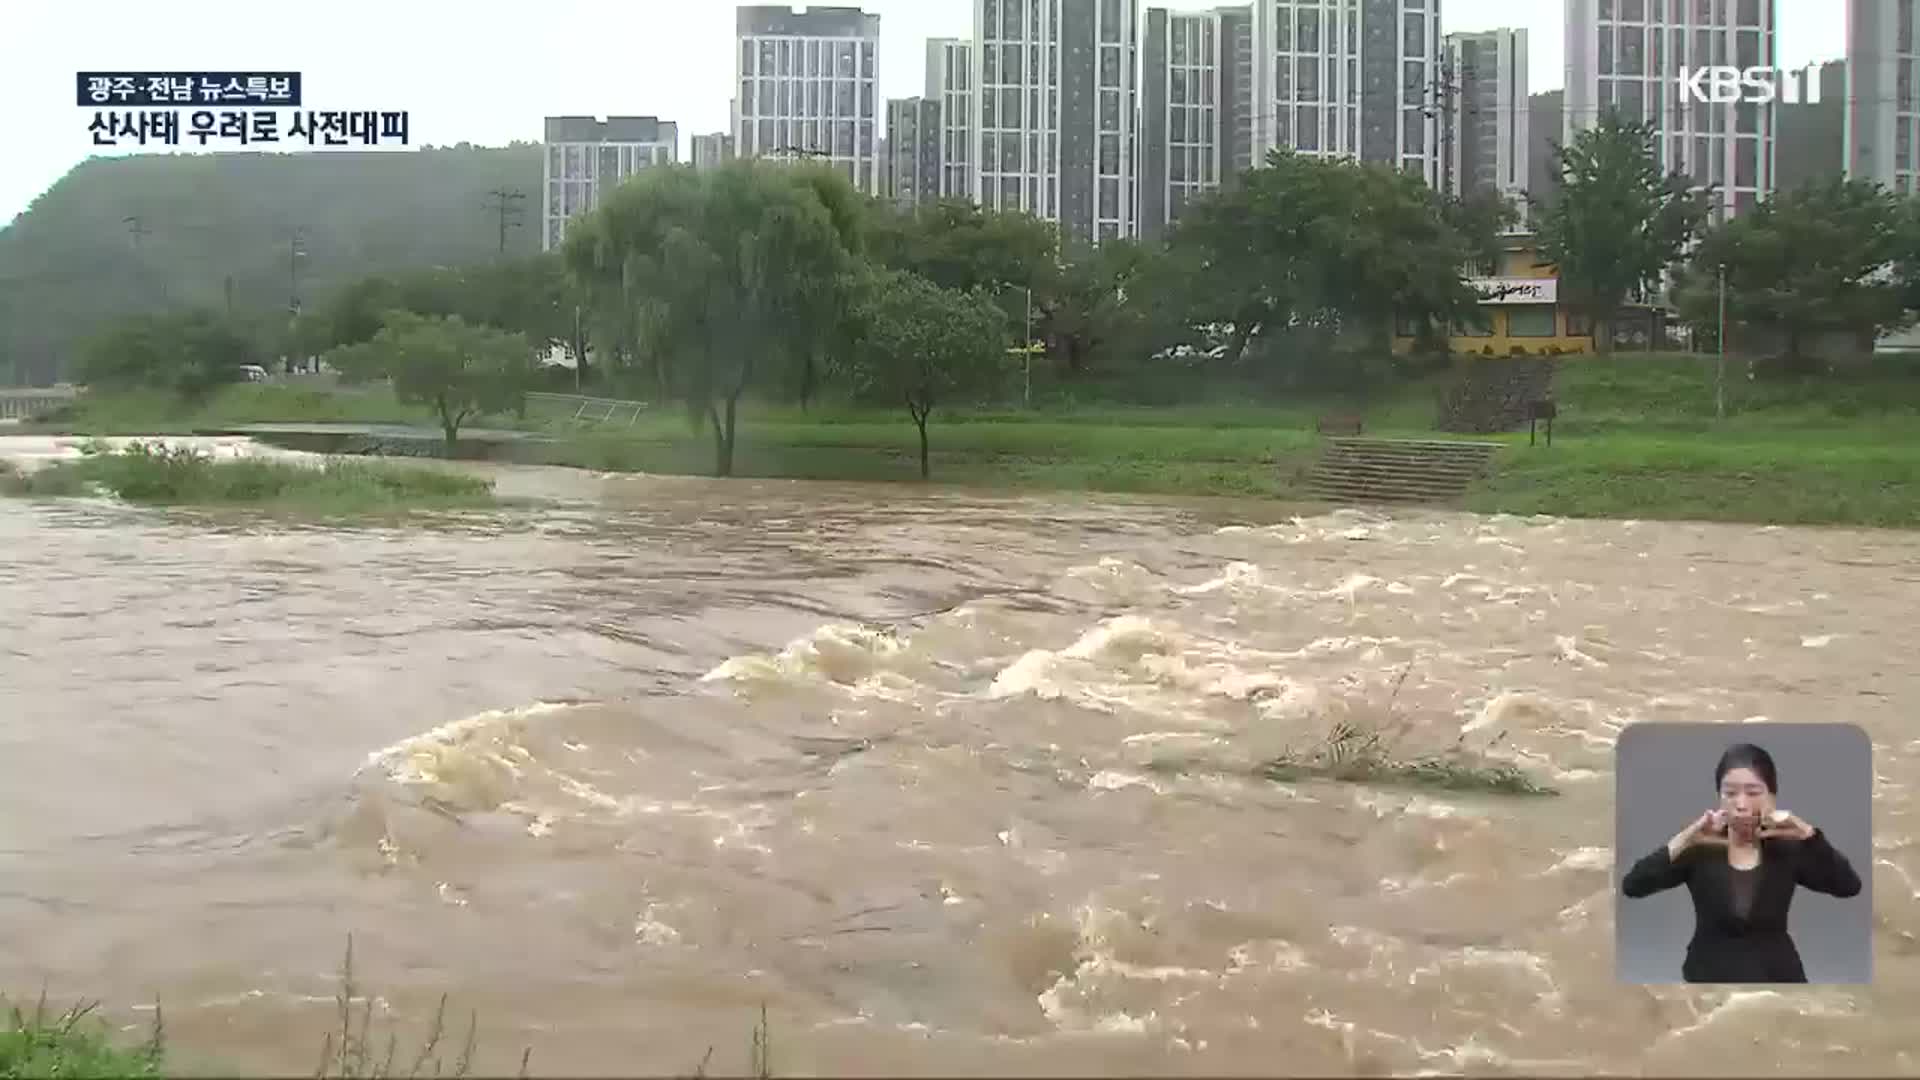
<point x="1399" y="250"/>
<point x="1092" y="303"/>
<point x="731" y="266"/>
<point x="1615" y="222"/>
<point x="958" y="245"/>
<point x="189" y="352"/>
<point x="457" y="368"/>
<point x="1311" y="245"/>
<point x="1814" y="260"/>
<point x="924" y="347"/>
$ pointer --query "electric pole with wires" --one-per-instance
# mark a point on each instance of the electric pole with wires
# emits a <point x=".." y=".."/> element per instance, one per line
<point x="505" y="204"/>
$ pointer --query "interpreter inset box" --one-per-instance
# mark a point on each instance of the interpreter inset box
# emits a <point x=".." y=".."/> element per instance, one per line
<point x="1743" y="853"/>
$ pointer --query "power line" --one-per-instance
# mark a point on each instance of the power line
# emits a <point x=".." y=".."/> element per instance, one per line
<point x="505" y="204"/>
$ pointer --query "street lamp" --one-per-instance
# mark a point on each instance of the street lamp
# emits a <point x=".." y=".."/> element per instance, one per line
<point x="1720" y="365"/>
<point x="1025" y="350"/>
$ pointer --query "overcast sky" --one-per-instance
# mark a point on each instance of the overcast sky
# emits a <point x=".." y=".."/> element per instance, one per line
<point x="470" y="71"/>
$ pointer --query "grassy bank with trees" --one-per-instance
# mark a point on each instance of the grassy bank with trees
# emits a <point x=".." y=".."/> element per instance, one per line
<point x="1636" y="437"/>
<point x="783" y="325"/>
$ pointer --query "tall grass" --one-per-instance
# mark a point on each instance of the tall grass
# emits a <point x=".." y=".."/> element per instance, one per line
<point x="157" y="474"/>
<point x="76" y="1044"/>
<point x="1370" y="746"/>
<point x="73" y="1043"/>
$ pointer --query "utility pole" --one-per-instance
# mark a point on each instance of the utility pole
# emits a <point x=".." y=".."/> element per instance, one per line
<point x="505" y="204"/>
<point x="1449" y="178"/>
<point x="137" y="228"/>
<point x="1026" y="350"/>
<point x="294" y="254"/>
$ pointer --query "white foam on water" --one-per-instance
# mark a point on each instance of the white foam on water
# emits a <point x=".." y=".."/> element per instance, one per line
<point x="471" y="763"/>
<point x="31" y="452"/>
<point x="649" y="930"/>
<point x="837" y="652"/>
<point x="1112" y="780"/>
<point x="1267" y="956"/>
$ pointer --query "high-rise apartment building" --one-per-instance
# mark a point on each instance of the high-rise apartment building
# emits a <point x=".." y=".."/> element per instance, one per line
<point x="1627" y="56"/>
<point x="950" y="82"/>
<point x="712" y="151"/>
<point x="1882" y="126"/>
<point x="1055" y="113"/>
<point x="1196" y="112"/>
<point x="585" y="158"/>
<point x="913" y="165"/>
<point x="1350" y="78"/>
<point x="1486" y="115"/>
<point x="809" y="88"/>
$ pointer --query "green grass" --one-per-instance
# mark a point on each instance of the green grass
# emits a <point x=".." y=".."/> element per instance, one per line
<point x="1358" y="756"/>
<point x="158" y="475"/>
<point x="1636" y="437"/>
<point x="160" y="413"/>
<point x="73" y="1043"/>
<point x="1371" y="748"/>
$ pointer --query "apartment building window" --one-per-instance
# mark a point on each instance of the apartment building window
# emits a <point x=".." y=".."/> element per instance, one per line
<point x="1632" y="51"/>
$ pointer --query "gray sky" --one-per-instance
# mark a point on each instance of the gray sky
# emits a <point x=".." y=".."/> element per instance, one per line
<point x="478" y="73"/>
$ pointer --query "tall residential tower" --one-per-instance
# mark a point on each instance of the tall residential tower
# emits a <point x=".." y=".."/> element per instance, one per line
<point x="1196" y="112"/>
<point x="1627" y="56"/>
<point x="1355" y="79"/>
<point x="1486" y="134"/>
<point x="1882" y="136"/>
<point x="950" y="82"/>
<point x="585" y="158"/>
<point x="1053" y="122"/>
<point x="809" y="88"/>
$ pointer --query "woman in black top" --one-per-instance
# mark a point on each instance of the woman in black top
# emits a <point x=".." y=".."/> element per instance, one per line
<point x="1741" y="863"/>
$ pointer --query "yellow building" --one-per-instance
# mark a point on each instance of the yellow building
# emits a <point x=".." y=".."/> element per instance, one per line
<point x="1521" y="304"/>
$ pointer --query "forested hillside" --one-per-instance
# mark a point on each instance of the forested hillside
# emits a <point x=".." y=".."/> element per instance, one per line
<point x="72" y="261"/>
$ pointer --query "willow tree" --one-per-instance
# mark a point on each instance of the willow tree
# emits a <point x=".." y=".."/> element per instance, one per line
<point x="732" y="265"/>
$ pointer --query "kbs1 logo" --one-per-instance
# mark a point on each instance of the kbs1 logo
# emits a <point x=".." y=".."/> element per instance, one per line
<point x="1723" y="84"/>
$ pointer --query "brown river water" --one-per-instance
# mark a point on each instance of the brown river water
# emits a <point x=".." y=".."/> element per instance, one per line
<point x="951" y="783"/>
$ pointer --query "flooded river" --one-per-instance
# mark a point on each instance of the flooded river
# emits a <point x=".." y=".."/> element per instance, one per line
<point x="951" y="784"/>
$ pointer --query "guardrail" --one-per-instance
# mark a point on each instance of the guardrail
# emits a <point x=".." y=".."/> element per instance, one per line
<point x="595" y="409"/>
<point x="26" y="404"/>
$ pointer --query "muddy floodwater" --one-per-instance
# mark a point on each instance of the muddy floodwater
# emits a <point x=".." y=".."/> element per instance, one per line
<point x="952" y="784"/>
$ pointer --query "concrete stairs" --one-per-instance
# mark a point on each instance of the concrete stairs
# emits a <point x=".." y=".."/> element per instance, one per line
<point x="1398" y="470"/>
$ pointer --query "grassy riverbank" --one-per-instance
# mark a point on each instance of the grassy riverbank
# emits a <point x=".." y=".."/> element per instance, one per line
<point x="1637" y="437"/>
<point x="165" y="476"/>
<point x="73" y="1043"/>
